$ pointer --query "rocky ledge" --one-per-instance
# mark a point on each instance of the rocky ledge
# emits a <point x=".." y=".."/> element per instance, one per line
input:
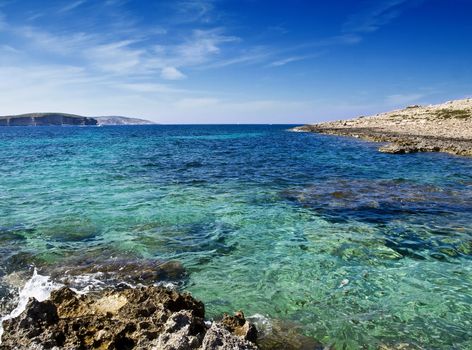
<point x="444" y="127"/>
<point x="132" y="318"/>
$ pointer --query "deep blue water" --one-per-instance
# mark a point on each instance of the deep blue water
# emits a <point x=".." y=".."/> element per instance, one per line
<point x="262" y="219"/>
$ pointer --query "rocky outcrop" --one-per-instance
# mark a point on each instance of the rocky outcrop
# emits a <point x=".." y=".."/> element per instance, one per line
<point x="132" y="318"/>
<point x="437" y="128"/>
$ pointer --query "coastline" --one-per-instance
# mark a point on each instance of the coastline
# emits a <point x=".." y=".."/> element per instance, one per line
<point x="436" y="128"/>
<point x="126" y="304"/>
<point x="149" y="317"/>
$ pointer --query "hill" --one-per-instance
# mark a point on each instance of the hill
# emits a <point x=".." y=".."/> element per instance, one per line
<point x="117" y="120"/>
<point x="45" y="119"/>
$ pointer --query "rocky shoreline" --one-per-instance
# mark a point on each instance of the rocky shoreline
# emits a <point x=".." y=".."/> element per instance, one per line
<point x="119" y="303"/>
<point x="133" y="318"/>
<point x="445" y="128"/>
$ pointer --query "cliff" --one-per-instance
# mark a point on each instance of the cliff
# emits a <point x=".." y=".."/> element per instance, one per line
<point x="48" y="119"/>
<point x="43" y="119"/>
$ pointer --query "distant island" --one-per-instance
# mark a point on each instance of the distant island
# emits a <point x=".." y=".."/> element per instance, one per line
<point x="445" y="127"/>
<point x="117" y="120"/>
<point x="49" y="119"/>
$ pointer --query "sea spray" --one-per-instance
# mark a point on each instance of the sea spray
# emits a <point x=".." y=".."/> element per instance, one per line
<point x="38" y="287"/>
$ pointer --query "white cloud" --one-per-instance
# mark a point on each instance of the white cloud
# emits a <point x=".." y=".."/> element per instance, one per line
<point x="202" y="45"/>
<point x="116" y="57"/>
<point x="172" y="73"/>
<point x="285" y="61"/>
<point x="62" y="44"/>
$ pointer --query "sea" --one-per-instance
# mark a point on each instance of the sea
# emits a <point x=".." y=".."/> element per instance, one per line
<point x="352" y="247"/>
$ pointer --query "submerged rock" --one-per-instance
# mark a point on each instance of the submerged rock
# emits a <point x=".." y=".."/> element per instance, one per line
<point x="113" y="272"/>
<point x="142" y="318"/>
<point x="279" y="334"/>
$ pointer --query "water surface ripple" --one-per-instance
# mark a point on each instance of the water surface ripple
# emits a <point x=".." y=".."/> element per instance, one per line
<point x="359" y="248"/>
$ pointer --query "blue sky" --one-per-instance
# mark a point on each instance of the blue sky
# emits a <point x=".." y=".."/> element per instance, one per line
<point x="228" y="61"/>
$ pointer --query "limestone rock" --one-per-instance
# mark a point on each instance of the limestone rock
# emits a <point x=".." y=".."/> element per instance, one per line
<point x="444" y="127"/>
<point x="238" y="325"/>
<point x="219" y="338"/>
<point x="134" y="318"/>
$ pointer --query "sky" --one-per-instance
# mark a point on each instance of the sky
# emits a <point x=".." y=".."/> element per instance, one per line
<point x="232" y="61"/>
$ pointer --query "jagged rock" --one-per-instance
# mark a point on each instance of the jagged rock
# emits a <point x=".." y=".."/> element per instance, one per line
<point x="219" y="338"/>
<point x="238" y="325"/>
<point x="142" y="318"/>
<point x="398" y="149"/>
<point x="182" y="331"/>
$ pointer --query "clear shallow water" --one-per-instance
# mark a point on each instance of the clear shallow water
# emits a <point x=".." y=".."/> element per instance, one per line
<point x="263" y="220"/>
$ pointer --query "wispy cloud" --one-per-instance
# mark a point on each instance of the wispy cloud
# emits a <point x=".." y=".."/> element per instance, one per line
<point x="116" y="57"/>
<point x="201" y="45"/>
<point x="71" y="6"/>
<point x="255" y="55"/>
<point x="194" y="11"/>
<point x="379" y="13"/>
<point x="291" y="59"/>
<point x="403" y="99"/>
<point x="172" y="73"/>
<point x="8" y="49"/>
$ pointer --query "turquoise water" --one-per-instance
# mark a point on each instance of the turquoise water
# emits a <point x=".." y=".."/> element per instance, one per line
<point x="357" y="247"/>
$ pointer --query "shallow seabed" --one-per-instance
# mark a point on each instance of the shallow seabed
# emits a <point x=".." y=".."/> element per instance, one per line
<point x="357" y="247"/>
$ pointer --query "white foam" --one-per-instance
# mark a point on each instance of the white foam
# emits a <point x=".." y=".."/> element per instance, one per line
<point x="168" y="285"/>
<point x="83" y="284"/>
<point x="262" y="323"/>
<point x="38" y="287"/>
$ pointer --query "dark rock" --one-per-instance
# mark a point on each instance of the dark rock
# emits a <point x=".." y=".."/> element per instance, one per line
<point x="398" y="149"/>
<point x="285" y="335"/>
